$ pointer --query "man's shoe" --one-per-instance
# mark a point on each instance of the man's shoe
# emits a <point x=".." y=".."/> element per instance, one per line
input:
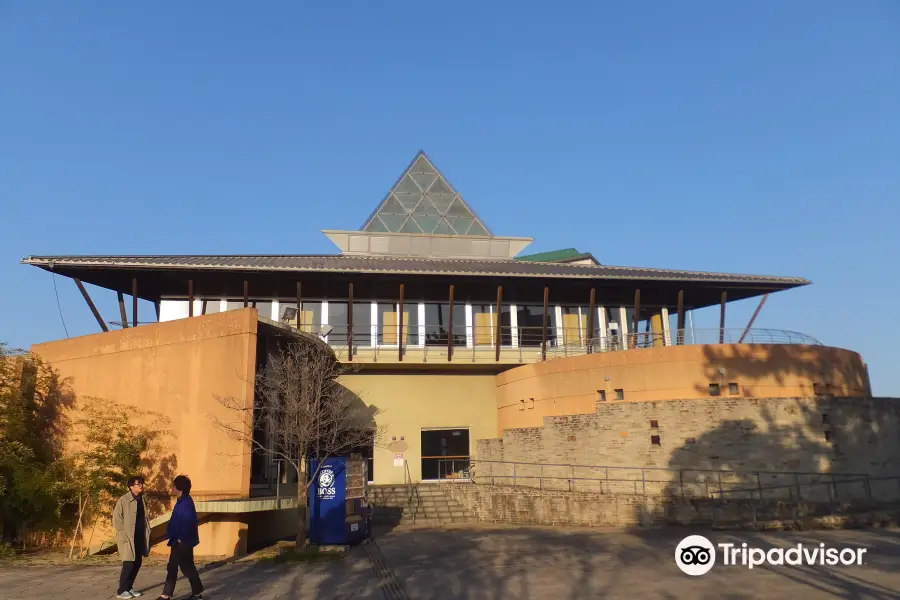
<point x="134" y="594"/>
<point x="124" y="596"/>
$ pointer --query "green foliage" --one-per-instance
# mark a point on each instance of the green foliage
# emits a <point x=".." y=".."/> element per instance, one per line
<point x="31" y="489"/>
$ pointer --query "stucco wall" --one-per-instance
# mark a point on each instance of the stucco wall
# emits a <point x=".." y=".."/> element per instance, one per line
<point x="174" y="369"/>
<point x="569" y="386"/>
<point x="411" y="401"/>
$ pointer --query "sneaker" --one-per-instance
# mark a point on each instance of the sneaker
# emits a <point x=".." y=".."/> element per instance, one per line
<point x="134" y="594"/>
<point x="124" y="596"/>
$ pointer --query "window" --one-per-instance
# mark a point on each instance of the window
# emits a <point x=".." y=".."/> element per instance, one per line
<point x="530" y="320"/>
<point x="714" y="389"/>
<point x="654" y="440"/>
<point x="733" y="389"/>
<point x="654" y="424"/>
<point x="437" y="323"/>
<point x="620" y="394"/>
<point x="211" y="306"/>
<point x="601" y="395"/>
<point x="310" y="315"/>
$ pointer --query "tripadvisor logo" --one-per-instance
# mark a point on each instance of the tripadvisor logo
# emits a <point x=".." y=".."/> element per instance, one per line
<point x="696" y="555"/>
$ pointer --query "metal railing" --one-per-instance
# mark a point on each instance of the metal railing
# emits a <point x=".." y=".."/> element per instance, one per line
<point x="688" y="483"/>
<point x="450" y="468"/>
<point x="520" y="344"/>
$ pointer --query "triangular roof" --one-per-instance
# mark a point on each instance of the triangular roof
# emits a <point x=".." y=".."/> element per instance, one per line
<point x="423" y="201"/>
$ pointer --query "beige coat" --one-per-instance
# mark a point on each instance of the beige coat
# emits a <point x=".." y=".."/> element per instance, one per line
<point x="124" y="517"/>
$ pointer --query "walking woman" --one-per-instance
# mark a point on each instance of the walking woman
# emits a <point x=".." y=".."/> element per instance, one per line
<point x="182" y="535"/>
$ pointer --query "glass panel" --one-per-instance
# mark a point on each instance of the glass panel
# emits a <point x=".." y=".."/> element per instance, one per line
<point x="440" y="187"/>
<point x="376" y="226"/>
<point x="443" y="228"/>
<point x="437" y="321"/>
<point x="477" y="229"/>
<point x="424" y="180"/>
<point x="410" y="227"/>
<point x="310" y="318"/>
<point x="392" y="207"/>
<point x="460" y="224"/>
<point x="408" y="201"/>
<point x="407" y="186"/>
<point x="235" y="305"/>
<point x="362" y="323"/>
<point x="411" y="323"/>
<point x="530" y="319"/>
<point x="440" y="202"/>
<point x="422" y="166"/>
<point x="427" y="223"/>
<point x="426" y="208"/>
<point x="387" y="323"/>
<point x="505" y="325"/>
<point x="458" y="209"/>
<point x="393" y="222"/>
<point x="337" y="320"/>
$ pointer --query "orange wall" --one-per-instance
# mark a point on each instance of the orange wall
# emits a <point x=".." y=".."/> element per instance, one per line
<point x="175" y="369"/>
<point x="569" y="386"/>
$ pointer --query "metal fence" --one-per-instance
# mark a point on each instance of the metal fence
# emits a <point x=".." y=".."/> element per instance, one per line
<point x="523" y="344"/>
<point x="687" y="484"/>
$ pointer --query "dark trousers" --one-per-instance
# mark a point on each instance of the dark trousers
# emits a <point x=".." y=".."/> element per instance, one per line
<point x="130" y="570"/>
<point x="182" y="557"/>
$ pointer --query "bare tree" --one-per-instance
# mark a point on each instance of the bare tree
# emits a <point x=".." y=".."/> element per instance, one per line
<point x="300" y="411"/>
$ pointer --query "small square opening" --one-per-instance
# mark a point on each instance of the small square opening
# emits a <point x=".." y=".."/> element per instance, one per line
<point x="654" y="440"/>
<point x="620" y="394"/>
<point x="714" y="389"/>
<point x="733" y="389"/>
<point x="601" y="395"/>
<point x="654" y="424"/>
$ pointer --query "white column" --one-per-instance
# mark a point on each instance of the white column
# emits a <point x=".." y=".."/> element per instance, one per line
<point x="223" y="305"/>
<point x="374" y="327"/>
<point x="470" y="338"/>
<point x="275" y="310"/>
<point x="421" y="324"/>
<point x="623" y="327"/>
<point x="602" y="328"/>
<point x="324" y="319"/>
<point x="198" y="307"/>
<point x="514" y="324"/>
<point x="559" y="325"/>
<point x="170" y="310"/>
<point x="665" y="323"/>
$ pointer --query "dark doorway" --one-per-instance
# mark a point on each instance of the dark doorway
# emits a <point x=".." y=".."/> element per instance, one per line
<point x="445" y="454"/>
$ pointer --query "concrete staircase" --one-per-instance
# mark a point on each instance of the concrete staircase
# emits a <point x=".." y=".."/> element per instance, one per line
<point x="420" y="504"/>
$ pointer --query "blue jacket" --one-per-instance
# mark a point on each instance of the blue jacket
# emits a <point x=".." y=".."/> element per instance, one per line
<point x="183" y="523"/>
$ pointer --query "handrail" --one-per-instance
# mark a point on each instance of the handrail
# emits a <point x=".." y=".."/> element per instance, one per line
<point x="722" y="483"/>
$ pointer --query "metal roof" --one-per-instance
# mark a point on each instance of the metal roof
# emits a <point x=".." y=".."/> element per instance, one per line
<point x="401" y="266"/>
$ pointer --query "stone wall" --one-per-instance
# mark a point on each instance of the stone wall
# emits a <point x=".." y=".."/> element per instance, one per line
<point x="673" y="447"/>
<point x="531" y="506"/>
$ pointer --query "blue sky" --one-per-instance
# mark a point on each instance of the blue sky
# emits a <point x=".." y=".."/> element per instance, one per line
<point x="759" y="137"/>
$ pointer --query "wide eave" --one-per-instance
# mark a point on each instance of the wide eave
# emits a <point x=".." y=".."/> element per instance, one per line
<point x="162" y="276"/>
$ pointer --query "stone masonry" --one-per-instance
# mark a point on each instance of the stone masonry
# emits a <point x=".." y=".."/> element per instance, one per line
<point x="680" y="443"/>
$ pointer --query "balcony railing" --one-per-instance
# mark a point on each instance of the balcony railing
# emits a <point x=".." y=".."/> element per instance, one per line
<point x="519" y="344"/>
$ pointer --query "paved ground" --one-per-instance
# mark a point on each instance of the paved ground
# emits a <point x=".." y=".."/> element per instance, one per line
<point x="350" y="577"/>
<point x="494" y="563"/>
<point x="574" y="564"/>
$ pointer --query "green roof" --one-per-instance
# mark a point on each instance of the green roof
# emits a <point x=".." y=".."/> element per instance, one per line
<point x="565" y="254"/>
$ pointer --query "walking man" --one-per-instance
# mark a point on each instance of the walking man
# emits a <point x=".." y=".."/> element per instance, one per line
<point x="132" y="535"/>
<point x="183" y="538"/>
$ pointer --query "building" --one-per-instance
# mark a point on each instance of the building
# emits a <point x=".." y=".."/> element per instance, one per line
<point x="457" y="335"/>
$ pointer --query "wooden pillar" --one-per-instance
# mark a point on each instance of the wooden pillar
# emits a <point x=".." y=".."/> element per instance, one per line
<point x="544" y="324"/>
<point x="134" y="302"/>
<point x="122" y="314"/>
<point x="299" y="304"/>
<point x="497" y="324"/>
<point x="450" y="327"/>
<point x="637" y="316"/>
<point x="722" y="318"/>
<point x="190" y="297"/>
<point x="246" y="293"/>
<point x="400" y="330"/>
<point x="679" y="334"/>
<point x="349" y="322"/>
<point x="592" y="314"/>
